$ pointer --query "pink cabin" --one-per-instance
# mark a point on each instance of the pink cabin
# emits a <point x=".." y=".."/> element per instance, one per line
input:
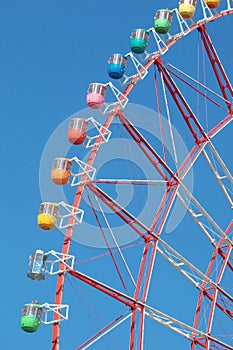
<point x="77" y="131"/>
<point x="96" y="95"/>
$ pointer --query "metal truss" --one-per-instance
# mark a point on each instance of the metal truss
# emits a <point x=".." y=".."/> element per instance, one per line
<point x="69" y="215"/>
<point x="83" y="169"/>
<point x="49" y="310"/>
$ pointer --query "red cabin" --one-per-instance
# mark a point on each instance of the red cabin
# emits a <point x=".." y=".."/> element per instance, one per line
<point x="77" y="130"/>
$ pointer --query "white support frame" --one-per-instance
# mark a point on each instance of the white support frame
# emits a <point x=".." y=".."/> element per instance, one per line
<point x="178" y="326"/>
<point x="138" y="66"/>
<point x="202" y="213"/>
<point x="182" y="24"/>
<point x="162" y="47"/>
<point x="85" y="169"/>
<point x="206" y="12"/>
<point x="102" y="133"/>
<point x="57" y="309"/>
<point x="66" y="259"/>
<point x="72" y="212"/>
<point x="121" y="100"/>
<point x="188" y="270"/>
<point x="228" y="5"/>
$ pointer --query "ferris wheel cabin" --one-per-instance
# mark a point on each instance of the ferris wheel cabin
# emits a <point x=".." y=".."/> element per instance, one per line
<point x="163" y="21"/>
<point x="77" y="132"/>
<point x="187" y="8"/>
<point x="116" y="66"/>
<point x="212" y="4"/>
<point x="47" y="217"/>
<point x="96" y="95"/>
<point x="60" y="173"/>
<point x="36" y="266"/>
<point x="139" y="40"/>
<point x="31" y="317"/>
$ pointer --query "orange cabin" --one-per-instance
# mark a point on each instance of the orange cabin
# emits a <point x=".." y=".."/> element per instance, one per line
<point x="213" y="4"/>
<point x="77" y="132"/>
<point x="60" y="173"/>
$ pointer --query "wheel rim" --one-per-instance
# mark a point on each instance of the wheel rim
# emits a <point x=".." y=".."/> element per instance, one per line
<point x="206" y="340"/>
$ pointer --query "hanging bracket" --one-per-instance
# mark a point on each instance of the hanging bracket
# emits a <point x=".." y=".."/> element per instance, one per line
<point x="70" y="216"/>
<point x="102" y="134"/>
<point x="65" y="259"/>
<point x="140" y="69"/>
<point x="121" y="100"/>
<point x="83" y="169"/>
<point x="50" y="310"/>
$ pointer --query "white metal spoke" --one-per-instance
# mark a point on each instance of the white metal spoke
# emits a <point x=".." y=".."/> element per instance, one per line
<point x="196" y="218"/>
<point x="114" y="204"/>
<point x="173" y="324"/>
<point x="116" y="243"/>
<point x="219" y="179"/>
<point x="132" y="182"/>
<point x="202" y="213"/>
<point x="197" y="82"/>
<point x="102" y="334"/>
<point x="180" y="327"/>
<point x="219" y="163"/>
<point x="188" y="270"/>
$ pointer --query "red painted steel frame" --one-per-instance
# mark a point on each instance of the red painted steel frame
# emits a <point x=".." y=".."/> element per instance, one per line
<point x="220" y="74"/>
<point x="78" y="197"/>
<point x="206" y="292"/>
<point x="187" y="114"/>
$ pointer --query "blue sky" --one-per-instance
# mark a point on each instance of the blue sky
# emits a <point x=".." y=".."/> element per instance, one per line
<point x="50" y="52"/>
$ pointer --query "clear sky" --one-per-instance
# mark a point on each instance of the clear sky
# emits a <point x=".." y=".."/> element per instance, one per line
<point x="50" y="52"/>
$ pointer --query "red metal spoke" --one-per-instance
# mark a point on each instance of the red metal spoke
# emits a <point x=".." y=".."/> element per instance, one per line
<point x="222" y="124"/>
<point x="128" y="218"/>
<point x="123" y="298"/>
<point x="160" y="118"/>
<point x="136" y="296"/>
<point x="182" y="104"/>
<point x="107" y="244"/>
<point x="212" y="297"/>
<point x="146" y="266"/>
<point x="145" y="146"/>
<point x="195" y="89"/>
<point x="217" y="66"/>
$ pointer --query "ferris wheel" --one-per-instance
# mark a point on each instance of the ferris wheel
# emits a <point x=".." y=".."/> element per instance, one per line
<point x="146" y="285"/>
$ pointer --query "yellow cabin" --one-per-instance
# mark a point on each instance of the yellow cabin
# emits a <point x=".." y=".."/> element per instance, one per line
<point x="212" y="4"/>
<point x="47" y="217"/>
<point x="187" y="8"/>
<point x="60" y="173"/>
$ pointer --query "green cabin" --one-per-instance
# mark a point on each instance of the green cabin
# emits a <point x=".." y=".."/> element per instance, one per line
<point x="31" y="317"/>
<point x="163" y="21"/>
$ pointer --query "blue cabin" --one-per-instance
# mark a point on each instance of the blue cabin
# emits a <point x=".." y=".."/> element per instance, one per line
<point x="116" y="66"/>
